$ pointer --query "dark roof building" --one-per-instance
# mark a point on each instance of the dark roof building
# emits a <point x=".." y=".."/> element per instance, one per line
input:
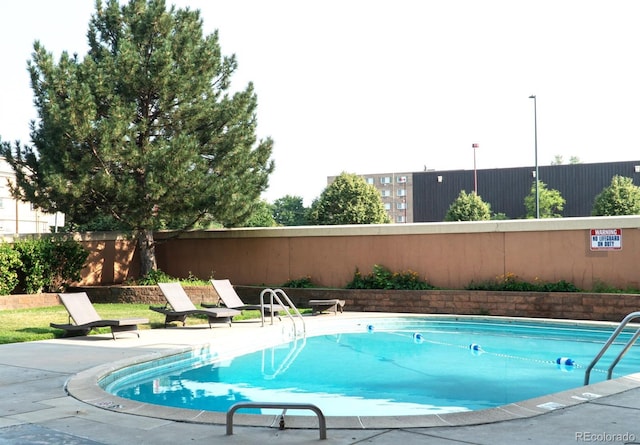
<point x="505" y="189"/>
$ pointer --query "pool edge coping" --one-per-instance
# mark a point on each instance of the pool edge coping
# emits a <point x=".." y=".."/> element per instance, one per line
<point x="84" y="386"/>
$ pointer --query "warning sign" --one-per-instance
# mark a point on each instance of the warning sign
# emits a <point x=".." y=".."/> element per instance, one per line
<point x="606" y="239"/>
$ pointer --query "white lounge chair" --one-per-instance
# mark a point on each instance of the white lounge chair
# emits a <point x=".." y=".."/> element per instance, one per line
<point x="179" y="306"/>
<point x="231" y="299"/>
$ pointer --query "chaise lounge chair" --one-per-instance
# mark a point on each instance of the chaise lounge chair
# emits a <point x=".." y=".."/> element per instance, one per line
<point x="179" y="306"/>
<point x="319" y="306"/>
<point x="85" y="318"/>
<point x="231" y="299"/>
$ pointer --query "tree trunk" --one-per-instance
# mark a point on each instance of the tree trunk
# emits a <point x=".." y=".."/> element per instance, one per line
<point x="147" y="250"/>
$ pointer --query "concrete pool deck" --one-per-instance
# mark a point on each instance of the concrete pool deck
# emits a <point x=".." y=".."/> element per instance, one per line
<point x="35" y="406"/>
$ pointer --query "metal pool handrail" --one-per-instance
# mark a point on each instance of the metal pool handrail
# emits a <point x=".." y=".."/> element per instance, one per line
<point x="292" y="306"/>
<point x="322" y="421"/>
<point x="274" y="294"/>
<point x="616" y="333"/>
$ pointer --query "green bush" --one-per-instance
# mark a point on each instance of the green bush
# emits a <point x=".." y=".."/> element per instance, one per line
<point x="32" y="273"/>
<point x="154" y="277"/>
<point x="65" y="259"/>
<point x="48" y="264"/>
<point x="511" y="282"/>
<point x="157" y="276"/>
<point x="605" y="288"/>
<point x="9" y="265"/>
<point x="383" y="278"/>
<point x="300" y="283"/>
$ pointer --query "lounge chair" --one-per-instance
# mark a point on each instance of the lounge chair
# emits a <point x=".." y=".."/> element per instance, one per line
<point x="319" y="306"/>
<point x="85" y="318"/>
<point x="231" y="299"/>
<point x="179" y="306"/>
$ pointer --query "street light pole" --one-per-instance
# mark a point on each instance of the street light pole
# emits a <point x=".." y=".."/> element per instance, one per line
<point x="475" y="171"/>
<point x="535" y="130"/>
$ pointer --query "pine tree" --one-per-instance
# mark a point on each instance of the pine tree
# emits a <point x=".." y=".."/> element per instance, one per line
<point x="144" y="129"/>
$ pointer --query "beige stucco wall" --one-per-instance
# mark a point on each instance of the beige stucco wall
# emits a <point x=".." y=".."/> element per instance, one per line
<point x="448" y="255"/>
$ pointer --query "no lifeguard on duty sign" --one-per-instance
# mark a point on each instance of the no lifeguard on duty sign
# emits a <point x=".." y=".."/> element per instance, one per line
<point x="606" y="239"/>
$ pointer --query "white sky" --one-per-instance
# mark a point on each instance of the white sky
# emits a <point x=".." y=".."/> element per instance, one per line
<point x="373" y="86"/>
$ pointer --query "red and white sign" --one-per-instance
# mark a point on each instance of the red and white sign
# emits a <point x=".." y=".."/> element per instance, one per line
<point x="606" y="239"/>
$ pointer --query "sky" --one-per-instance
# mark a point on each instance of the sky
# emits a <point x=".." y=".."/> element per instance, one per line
<point x="377" y="86"/>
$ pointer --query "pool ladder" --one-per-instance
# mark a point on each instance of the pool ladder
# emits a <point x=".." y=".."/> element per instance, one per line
<point x="616" y="333"/>
<point x="278" y="295"/>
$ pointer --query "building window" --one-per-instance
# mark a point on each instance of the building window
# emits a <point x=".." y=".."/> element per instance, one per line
<point x="402" y="192"/>
<point x="401" y="205"/>
<point x="401" y="219"/>
<point x="370" y="181"/>
<point x="385" y="180"/>
<point x="385" y="193"/>
<point x="387" y="206"/>
<point x="402" y="179"/>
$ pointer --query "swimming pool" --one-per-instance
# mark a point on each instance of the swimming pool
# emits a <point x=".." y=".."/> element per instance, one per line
<point x="384" y="367"/>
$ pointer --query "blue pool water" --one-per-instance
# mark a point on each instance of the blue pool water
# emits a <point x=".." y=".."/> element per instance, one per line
<point x="386" y="367"/>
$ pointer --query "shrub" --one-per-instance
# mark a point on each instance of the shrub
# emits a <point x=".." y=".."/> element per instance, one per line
<point x="383" y="278"/>
<point x="300" y="283"/>
<point x="157" y="276"/>
<point x="65" y="259"/>
<point x="511" y="282"/>
<point x="31" y="274"/>
<point x="154" y="277"/>
<point x="49" y="264"/>
<point x="605" y="288"/>
<point x="9" y="266"/>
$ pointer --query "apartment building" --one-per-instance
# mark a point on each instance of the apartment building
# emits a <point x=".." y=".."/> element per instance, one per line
<point x="17" y="217"/>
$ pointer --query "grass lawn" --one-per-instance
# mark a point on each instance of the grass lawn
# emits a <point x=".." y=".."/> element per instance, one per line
<point x="33" y="324"/>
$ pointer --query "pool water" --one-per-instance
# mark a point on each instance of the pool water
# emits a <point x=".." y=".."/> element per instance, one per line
<point x="388" y="367"/>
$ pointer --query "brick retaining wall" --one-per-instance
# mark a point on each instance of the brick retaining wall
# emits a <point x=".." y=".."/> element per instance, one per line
<point x="144" y="294"/>
<point x="23" y="301"/>
<point x="150" y="295"/>
<point x="578" y="306"/>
